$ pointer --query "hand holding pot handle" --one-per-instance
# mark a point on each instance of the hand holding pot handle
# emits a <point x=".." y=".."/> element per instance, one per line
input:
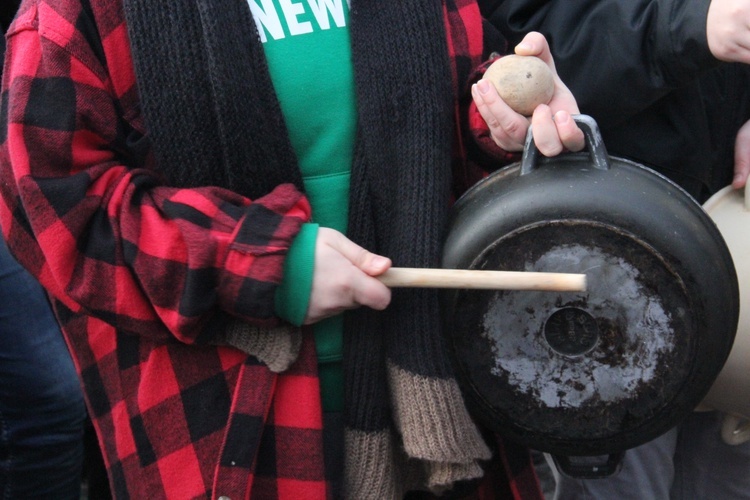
<point x="594" y="144"/>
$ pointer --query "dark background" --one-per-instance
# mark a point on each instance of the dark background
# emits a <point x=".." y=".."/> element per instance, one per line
<point x="7" y="11"/>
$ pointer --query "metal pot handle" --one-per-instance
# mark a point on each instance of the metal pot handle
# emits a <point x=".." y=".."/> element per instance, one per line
<point x="594" y="143"/>
<point x="586" y="469"/>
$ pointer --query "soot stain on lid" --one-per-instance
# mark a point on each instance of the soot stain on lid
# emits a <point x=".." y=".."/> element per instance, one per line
<point x="621" y="361"/>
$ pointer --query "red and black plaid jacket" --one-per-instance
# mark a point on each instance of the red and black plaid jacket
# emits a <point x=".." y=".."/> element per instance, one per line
<point x="138" y="271"/>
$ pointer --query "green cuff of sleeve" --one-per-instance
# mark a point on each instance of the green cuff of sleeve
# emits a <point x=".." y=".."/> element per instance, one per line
<point x="293" y="294"/>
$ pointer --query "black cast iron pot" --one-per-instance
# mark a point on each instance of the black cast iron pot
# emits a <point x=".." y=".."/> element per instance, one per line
<point x="598" y="372"/>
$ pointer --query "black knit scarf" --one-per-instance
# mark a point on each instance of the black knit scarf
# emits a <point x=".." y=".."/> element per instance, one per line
<point x="213" y="119"/>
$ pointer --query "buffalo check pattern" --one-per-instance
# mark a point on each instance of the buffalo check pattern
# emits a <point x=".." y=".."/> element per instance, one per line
<point x="140" y="274"/>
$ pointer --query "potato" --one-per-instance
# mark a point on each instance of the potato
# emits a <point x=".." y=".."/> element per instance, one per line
<point x="524" y="82"/>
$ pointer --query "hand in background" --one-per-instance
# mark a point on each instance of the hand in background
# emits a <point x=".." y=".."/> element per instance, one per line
<point x="728" y="30"/>
<point x="554" y="128"/>
<point x="742" y="156"/>
<point x="343" y="277"/>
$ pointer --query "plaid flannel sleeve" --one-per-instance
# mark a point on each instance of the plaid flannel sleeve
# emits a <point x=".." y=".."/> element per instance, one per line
<point x="103" y="236"/>
<point x="473" y="45"/>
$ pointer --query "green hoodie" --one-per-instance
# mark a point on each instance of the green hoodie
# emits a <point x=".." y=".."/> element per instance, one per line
<point x="304" y="44"/>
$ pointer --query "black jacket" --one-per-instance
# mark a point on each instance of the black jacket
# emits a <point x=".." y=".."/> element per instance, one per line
<point x="643" y="70"/>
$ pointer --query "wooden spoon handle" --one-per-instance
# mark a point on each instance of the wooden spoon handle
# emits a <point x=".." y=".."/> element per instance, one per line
<point x="476" y="279"/>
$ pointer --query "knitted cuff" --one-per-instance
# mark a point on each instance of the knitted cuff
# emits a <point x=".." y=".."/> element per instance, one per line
<point x="433" y="420"/>
<point x="436" y="428"/>
<point x="376" y="467"/>
<point x="441" y="476"/>
<point x="276" y="347"/>
<point x="369" y="468"/>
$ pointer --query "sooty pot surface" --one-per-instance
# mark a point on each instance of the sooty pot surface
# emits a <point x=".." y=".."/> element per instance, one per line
<point x="604" y="370"/>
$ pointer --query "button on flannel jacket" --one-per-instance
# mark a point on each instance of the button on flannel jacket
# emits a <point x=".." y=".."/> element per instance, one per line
<point x="139" y="272"/>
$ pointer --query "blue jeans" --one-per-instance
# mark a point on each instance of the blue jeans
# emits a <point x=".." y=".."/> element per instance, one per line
<point x="42" y="412"/>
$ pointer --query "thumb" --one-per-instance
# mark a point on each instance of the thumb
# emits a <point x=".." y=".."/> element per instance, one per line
<point x="366" y="261"/>
<point x="373" y="264"/>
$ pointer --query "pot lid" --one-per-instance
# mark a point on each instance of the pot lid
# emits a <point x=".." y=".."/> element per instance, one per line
<point x="577" y="370"/>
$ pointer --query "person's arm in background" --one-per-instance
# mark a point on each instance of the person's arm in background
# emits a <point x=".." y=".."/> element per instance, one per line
<point x="728" y="34"/>
<point x="603" y="46"/>
<point x="648" y="47"/>
<point x="728" y="30"/>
